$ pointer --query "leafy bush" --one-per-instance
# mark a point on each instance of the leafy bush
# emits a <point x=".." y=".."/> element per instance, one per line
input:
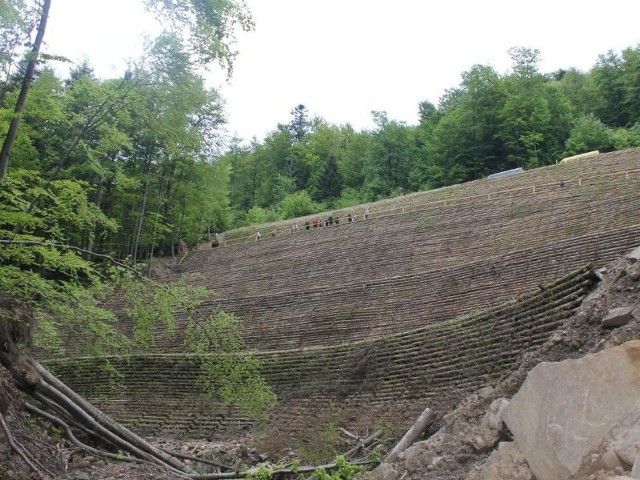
<point x="351" y="197"/>
<point x="259" y="215"/>
<point x="589" y="133"/>
<point x="299" y="205"/>
<point x="626" y="137"/>
<point x="345" y="471"/>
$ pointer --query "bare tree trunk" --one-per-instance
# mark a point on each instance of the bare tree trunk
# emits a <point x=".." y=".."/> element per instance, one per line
<point x="24" y="91"/>
<point x="143" y="210"/>
<point x="92" y="235"/>
<point x="52" y="387"/>
<point x="424" y="420"/>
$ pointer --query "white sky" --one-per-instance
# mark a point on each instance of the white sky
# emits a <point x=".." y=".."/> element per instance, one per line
<point x="344" y="58"/>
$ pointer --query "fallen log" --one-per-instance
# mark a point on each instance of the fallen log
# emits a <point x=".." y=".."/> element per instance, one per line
<point x="53" y="388"/>
<point x="421" y="424"/>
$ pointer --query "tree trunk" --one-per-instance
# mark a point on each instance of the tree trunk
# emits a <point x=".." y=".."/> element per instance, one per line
<point x="50" y="386"/>
<point x="92" y="235"/>
<point x="424" y="420"/>
<point x="24" y="91"/>
<point x="143" y="209"/>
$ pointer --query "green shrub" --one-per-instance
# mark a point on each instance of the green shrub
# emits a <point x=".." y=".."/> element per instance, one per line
<point x="299" y="204"/>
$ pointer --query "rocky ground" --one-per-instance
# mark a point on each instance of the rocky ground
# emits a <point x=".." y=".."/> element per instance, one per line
<point x="472" y="432"/>
<point x="473" y="429"/>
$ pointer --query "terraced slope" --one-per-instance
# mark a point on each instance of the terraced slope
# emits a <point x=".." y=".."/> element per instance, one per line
<point x="382" y="276"/>
<point x="426" y="301"/>
<point x="434" y="365"/>
<point x="433" y="237"/>
<point x="615" y="165"/>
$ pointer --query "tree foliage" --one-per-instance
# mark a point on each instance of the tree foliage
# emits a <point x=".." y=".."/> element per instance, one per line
<point x="226" y="374"/>
<point x="123" y="166"/>
<point x="207" y="26"/>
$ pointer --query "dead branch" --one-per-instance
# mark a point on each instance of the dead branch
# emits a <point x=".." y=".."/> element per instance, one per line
<point x="88" y="448"/>
<point x="14" y="446"/>
<point x="200" y="460"/>
<point x="73" y="439"/>
<point x="53" y="406"/>
<point x="104" y="425"/>
<point x="424" y="420"/>
<point x="351" y="435"/>
<point x="363" y="443"/>
<point x="275" y="473"/>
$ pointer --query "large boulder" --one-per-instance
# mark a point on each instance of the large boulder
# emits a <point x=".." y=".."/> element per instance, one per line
<point x="564" y="409"/>
<point x="505" y="463"/>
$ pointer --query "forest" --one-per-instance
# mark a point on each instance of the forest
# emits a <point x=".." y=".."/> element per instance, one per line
<point x="148" y="148"/>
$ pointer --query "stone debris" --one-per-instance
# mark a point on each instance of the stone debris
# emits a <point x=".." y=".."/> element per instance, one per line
<point x="505" y="463"/>
<point x="617" y="317"/>
<point x="564" y="408"/>
<point x="575" y="417"/>
<point x="634" y="255"/>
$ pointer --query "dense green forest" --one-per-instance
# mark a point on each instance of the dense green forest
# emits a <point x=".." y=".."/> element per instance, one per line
<point x="119" y="166"/>
<point x="146" y="149"/>
<point x="488" y="123"/>
<point x="96" y="170"/>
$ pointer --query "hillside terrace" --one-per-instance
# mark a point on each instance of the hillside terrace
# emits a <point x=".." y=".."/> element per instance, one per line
<point x="433" y="297"/>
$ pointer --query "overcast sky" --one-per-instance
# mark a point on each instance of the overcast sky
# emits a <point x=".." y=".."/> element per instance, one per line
<point x="344" y="58"/>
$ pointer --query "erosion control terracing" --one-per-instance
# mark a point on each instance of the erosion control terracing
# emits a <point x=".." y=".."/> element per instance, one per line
<point x="435" y="295"/>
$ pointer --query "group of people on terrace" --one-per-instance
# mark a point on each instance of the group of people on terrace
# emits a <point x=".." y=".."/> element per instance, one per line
<point x="316" y="222"/>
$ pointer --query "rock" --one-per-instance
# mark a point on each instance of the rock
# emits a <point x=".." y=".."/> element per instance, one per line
<point x="384" y="471"/>
<point x="480" y="437"/>
<point x="474" y="474"/>
<point x="506" y="463"/>
<point x="624" y="439"/>
<point x="581" y="318"/>
<point x="610" y="460"/>
<point x="633" y="271"/>
<point x="618" y="317"/>
<point x="493" y="418"/>
<point x="486" y="392"/>
<point x="564" y="408"/>
<point x="83" y="476"/>
<point x="634" y="255"/>
<point x="485" y="436"/>
<point x="635" y="471"/>
<point x="418" y="458"/>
